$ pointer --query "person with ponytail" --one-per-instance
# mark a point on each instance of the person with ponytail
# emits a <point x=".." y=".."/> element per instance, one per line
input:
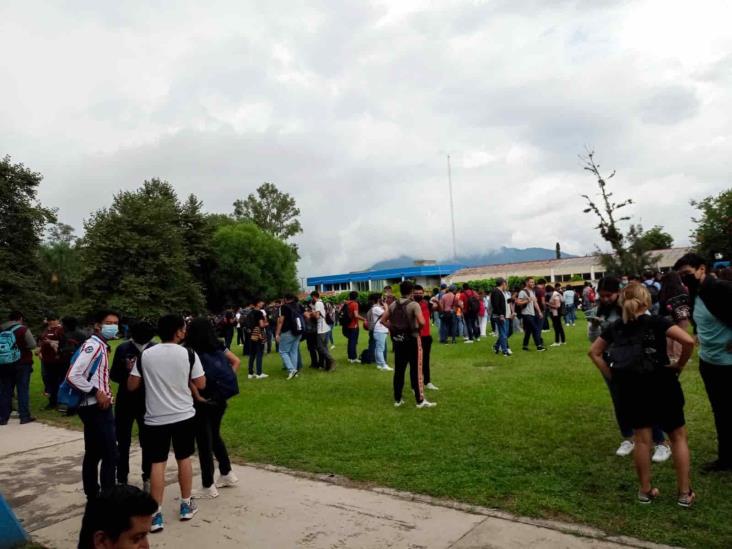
<point x="632" y="354"/>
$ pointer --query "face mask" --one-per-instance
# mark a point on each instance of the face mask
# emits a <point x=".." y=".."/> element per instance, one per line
<point x="109" y="331"/>
<point x="418" y="297"/>
<point x="690" y="281"/>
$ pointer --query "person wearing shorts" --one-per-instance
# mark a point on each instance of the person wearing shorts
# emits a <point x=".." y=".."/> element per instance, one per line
<point x="166" y="370"/>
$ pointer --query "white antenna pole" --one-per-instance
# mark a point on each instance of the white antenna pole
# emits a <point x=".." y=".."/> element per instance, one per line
<point x="452" y="208"/>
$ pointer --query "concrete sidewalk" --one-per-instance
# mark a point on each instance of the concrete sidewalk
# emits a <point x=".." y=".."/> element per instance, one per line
<point x="40" y="476"/>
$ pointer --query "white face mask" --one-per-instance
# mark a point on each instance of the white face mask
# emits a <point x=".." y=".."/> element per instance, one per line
<point x="109" y="331"/>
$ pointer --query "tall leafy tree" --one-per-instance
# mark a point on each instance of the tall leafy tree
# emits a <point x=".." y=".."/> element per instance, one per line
<point x="271" y="210"/>
<point x="713" y="232"/>
<point x="22" y="222"/>
<point x="250" y="263"/>
<point x="136" y="257"/>
<point x="630" y="253"/>
<point x="59" y="267"/>
<point x="656" y="238"/>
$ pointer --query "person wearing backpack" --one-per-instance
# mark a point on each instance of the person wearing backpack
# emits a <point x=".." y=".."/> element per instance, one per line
<point x="16" y="366"/>
<point x="471" y="310"/>
<point x="654" y="288"/>
<point x="290" y="327"/>
<point x="89" y="375"/>
<point x="531" y="315"/>
<point x="711" y="306"/>
<point x="404" y="319"/>
<point x="323" y="329"/>
<point x="425" y="336"/>
<point x="169" y="372"/>
<point x="649" y="392"/>
<point x="129" y="407"/>
<point x="349" y="318"/>
<point x="49" y="351"/>
<point x="255" y="326"/>
<point x="554" y="306"/>
<point x="220" y="366"/>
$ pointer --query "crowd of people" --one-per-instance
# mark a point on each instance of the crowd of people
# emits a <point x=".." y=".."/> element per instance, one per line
<point x="176" y="390"/>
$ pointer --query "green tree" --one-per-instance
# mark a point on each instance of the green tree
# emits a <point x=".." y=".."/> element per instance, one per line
<point x="271" y="210"/>
<point x="630" y="252"/>
<point x="656" y="238"/>
<point x="713" y="233"/>
<point x="135" y="256"/>
<point x="59" y="268"/>
<point x="22" y="222"/>
<point x="250" y="263"/>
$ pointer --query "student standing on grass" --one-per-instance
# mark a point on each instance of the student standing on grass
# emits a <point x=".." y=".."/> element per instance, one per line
<point x="290" y="325"/>
<point x="326" y="361"/>
<point x="16" y="367"/>
<point x="349" y="320"/>
<point x="380" y="333"/>
<point x="89" y="374"/>
<point x="405" y="320"/>
<point x="531" y="315"/>
<point x="555" y="311"/>
<point x="256" y="326"/>
<point x="673" y="301"/>
<point x="711" y="301"/>
<point x="425" y="336"/>
<point x="648" y="385"/>
<point x="608" y="312"/>
<point x="220" y="367"/>
<point x="501" y="315"/>
<point x="129" y="407"/>
<point x="52" y="366"/>
<point x="169" y="370"/>
<point x="570" y="308"/>
<point x="447" y="314"/>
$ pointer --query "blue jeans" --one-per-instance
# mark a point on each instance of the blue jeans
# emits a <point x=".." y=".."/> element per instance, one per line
<point x="289" y="350"/>
<point x="570" y="314"/>
<point x="459" y="326"/>
<point x="380" y="348"/>
<point x="502" y="329"/>
<point x="447" y="326"/>
<point x="352" y="336"/>
<point x="436" y="319"/>
<point x="15" y="377"/>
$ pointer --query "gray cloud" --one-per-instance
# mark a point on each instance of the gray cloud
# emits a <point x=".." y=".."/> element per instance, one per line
<point x="352" y="107"/>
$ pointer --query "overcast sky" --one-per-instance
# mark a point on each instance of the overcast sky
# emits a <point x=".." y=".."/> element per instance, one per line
<point x="352" y="107"/>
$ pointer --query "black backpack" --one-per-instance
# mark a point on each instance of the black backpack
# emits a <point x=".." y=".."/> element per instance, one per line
<point x="294" y="319"/>
<point x="399" y="325"/>
<point x="634" y="353"/>
<point x="473" y="305"/>
<point x="344" y="316"/>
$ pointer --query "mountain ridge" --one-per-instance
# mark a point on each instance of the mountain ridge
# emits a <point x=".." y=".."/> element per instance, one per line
<point x="502" y="255"/>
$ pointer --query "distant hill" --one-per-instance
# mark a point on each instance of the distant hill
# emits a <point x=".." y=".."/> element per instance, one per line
<point x="502" y="255"/>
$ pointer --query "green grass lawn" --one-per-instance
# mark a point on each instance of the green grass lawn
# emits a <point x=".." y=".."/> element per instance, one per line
<point x="533" y="434"/>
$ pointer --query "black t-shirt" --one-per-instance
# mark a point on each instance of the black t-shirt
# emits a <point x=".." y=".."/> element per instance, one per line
<point x="655" y="328"/>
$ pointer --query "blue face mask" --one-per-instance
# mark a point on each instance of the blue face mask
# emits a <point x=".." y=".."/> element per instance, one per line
<point x="109" y="331"/>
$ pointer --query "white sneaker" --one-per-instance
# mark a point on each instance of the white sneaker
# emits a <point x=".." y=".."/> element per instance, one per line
<point x="357" y="361"/>
<point x="332" y="347"/>
<point x="661" y="453"/>
<point x="431" y="386"/>
<point x="625" y="448"/>
<point x="477" y="340"/>
<point x="252" y="376"/>
<point x="555" y="345"/>
<point x="468" y="341"/>
<point x="397" y="404"/>
<point x="206" y="493"/>
<point x="508" y="352"/>
<point x="292" y="374"/>
<point x="262" y="376"/>
<point x="388" y="368"/>
<point x="426" y="404"/>
<point x="227" y="480"/>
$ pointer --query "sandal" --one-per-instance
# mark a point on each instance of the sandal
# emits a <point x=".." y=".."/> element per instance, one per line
<point x="647" y="497"/>
<point x="687" y="500"/>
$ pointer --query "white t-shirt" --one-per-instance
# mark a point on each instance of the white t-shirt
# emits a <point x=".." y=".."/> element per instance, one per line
<point x="165" y="373"/>
<point x="569" y="297"/>
<point x="378" y="312"/>
<point x="323" y="327"/>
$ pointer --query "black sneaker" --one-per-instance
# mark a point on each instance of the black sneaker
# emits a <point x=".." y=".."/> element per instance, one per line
<point x="542" y="348"/>
<point x="496" y="350"/>
<point x="525" y="349"/>
<point x="27" y="420"/>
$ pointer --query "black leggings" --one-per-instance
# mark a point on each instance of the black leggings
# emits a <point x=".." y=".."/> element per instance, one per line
<point x="558" y="329"/>
<point x="209" y="441"/>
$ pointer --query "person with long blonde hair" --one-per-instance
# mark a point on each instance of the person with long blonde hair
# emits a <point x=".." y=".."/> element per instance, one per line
<point x="647" y="383"/>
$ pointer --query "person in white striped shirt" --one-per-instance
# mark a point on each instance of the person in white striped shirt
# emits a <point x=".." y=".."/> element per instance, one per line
<point x="89" y="373"/>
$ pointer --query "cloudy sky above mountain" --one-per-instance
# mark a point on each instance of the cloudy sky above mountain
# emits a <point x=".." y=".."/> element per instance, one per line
<point x="352" y="108"/>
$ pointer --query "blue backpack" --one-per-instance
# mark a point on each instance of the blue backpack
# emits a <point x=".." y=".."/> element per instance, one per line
<point x="9" y="350"/>
<point x="70" y="396"/>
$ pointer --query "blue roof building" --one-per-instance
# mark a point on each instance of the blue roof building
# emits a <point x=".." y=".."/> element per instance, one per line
<point x="426" y="274"/>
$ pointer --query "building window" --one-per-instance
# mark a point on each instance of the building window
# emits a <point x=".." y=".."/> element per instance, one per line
<point x="377" y="285"/>
<point x="586" y="276"/>
<point x="362" y="285"/>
